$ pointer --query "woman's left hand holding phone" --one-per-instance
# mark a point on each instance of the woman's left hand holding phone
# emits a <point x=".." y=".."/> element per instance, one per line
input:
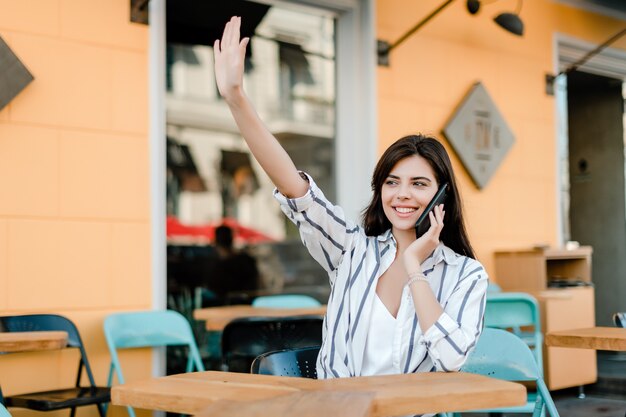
<point x="421" y="248"/>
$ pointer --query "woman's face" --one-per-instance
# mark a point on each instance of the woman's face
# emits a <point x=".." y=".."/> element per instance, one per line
<point x="406" y="191"/>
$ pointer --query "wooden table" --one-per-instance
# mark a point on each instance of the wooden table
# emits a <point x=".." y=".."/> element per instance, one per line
<point x="221" y="394"/>
<point x="600" y="338"/>
<point x="29" y="341"/>
<point x="218" y="317"/>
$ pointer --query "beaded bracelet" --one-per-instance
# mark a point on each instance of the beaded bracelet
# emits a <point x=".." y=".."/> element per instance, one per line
<point x="416" y="276"/>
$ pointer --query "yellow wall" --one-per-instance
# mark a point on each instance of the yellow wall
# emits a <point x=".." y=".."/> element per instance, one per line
<point x="74" y="179"/>
<point x="433" y="70"/>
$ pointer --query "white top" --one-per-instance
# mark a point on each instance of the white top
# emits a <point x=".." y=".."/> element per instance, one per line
<point x="381" y="355"/>
<point x="355" y="262"/>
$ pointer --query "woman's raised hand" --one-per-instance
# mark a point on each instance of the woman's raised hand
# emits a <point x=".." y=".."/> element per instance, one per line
<point x="229" y="55"/>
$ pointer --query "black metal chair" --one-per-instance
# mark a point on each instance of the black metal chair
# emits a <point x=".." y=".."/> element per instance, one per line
<point x="619" y="319"/>
<point x="300" y="362"/>
<point x="246" y="338"/>
<point x="58" y="399"/>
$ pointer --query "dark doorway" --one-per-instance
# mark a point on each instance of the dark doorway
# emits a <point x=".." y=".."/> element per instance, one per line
<point x="597" y="186"/>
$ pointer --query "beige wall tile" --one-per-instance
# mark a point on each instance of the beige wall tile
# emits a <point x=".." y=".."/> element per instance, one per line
<point x="72" y="85"/>
<point x="29" y="171"/>
<point x="538" y="165"/>
<point x="33" y="16"/>
<point x="409" y="64"/>
<point x="23" y="372"/>
<point x="522" y="88"/>
<point x="399" y="117"/>
<point x="3" y="265"/>
<point x="102" y="21"/>
<point x="130" y="92"/>
<point x="104" y="176"/>
<point x="56" y="264"/>
<point x="468" y="65"/>
<point x="523" y="212"/>
<point x="130" y="265"/>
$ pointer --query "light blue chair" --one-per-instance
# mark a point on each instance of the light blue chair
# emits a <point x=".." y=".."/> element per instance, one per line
<point x="514" y="311"/>
<point x="503" y="355"/>
<point x="4" y="412"/>
<point x="148" y="329"/>
<point x="286" y="301"/>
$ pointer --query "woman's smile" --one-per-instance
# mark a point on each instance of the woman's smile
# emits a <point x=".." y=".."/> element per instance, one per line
<point x="405" y="210"/>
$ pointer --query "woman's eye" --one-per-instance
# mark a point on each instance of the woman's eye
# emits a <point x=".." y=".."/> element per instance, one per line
<point x="390" y="182"/>
<point x="419" y="184"/>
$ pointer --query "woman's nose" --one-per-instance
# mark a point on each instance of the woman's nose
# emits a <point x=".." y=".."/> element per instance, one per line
<point x="403" y="193"/>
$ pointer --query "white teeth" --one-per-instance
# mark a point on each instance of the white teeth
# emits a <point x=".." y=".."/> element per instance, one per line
<point x="404" y="209"/>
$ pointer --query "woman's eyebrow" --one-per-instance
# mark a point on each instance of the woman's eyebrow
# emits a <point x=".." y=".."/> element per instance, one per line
<point x="395" y="177"/>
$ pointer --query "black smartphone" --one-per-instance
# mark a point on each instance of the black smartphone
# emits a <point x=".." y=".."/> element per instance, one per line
<point x="423" y="223"/>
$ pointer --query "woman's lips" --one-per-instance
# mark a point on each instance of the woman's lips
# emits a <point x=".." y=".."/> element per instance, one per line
<point x="405" y="211"/>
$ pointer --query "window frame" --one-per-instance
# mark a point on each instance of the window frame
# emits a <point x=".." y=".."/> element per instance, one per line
<point x="356" y="125"/>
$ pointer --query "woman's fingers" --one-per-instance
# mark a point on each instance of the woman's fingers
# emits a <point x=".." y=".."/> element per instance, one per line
<point x="439" y="213"/>
<point x="242" y="48"/>
<point x="229" y="53"/>
<point x="236" y="30"/>
<point x="433" y="219"/>
<point x="436" y="219"/>
<point x="226" y="34"/>
<point x="440" y="216"/>
<point x="231" y="35"/>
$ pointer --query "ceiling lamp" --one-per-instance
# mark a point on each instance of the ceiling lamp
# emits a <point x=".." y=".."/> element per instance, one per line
<point x="510" y="22"/>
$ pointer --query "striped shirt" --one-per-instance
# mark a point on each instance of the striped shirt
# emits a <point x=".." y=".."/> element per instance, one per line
<point x="354" y="263"/>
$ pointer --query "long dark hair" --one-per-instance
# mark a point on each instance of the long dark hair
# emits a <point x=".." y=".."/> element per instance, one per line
<point x="453" y="233"/>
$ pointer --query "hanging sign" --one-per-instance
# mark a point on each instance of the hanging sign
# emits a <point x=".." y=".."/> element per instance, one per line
<point x="479" y="135"/>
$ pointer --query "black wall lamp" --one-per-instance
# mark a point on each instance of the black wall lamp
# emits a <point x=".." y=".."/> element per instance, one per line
<point x="139" y="11"/>
<point x="510" y="22"/>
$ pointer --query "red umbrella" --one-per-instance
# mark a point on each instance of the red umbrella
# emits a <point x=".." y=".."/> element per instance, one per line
<point x="243" y="234"/>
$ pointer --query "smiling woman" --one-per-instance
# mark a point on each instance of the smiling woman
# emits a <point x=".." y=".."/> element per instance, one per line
<point x="426" y="295"/>
<point x="412" y="169"/>
<point x="409" y="187"/>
